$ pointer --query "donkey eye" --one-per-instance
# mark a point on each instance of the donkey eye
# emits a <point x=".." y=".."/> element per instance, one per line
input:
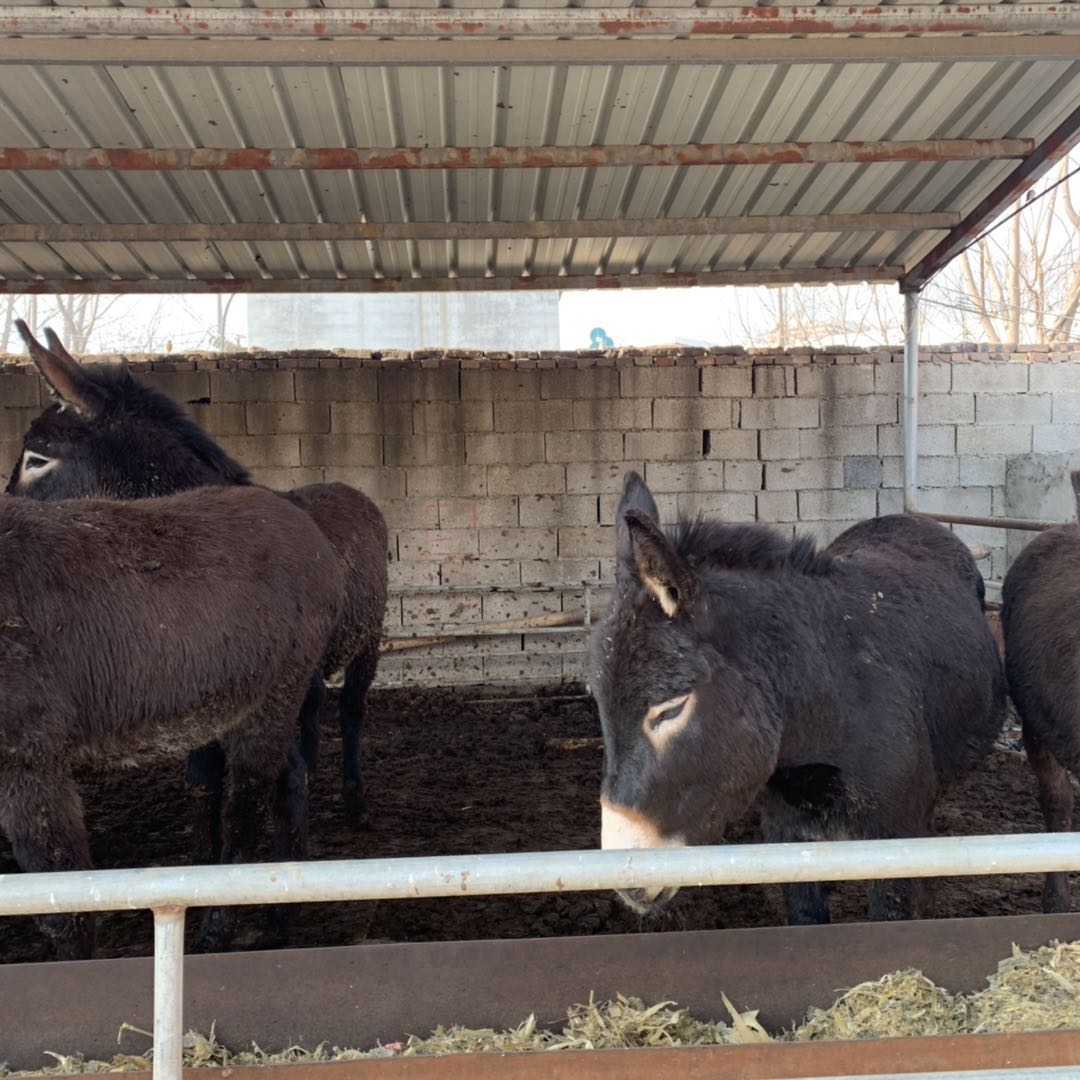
<point x="669" y="710"/>
<point x="36" y="465"/>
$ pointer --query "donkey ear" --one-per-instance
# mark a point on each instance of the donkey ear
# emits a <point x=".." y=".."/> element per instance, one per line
<point x="1074" y="479"/>
<point x="635" y="496"/>
<point x="659" y="566"/>
<point x="67" y="381"/>
<point x="56" y="346"/>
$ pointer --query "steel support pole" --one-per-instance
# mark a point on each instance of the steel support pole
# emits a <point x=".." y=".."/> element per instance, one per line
<point x="911" y="402"/>
<point x="168" y="993"/>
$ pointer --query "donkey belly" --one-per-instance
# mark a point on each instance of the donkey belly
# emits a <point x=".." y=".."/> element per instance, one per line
<point x="143" y="739"/>
<point x="854" y="801"/>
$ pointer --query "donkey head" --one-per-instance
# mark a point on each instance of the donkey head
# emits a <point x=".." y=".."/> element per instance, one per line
<point x="105" y="435"/>
<point x="688" y="734"/>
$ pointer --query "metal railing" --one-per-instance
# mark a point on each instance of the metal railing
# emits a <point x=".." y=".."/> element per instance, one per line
<point x="169" y="891"/>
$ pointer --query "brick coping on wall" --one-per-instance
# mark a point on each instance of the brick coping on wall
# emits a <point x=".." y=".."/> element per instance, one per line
<point x="663" y="356"/>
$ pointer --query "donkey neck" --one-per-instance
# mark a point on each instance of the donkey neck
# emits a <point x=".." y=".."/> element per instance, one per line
<point x="780" y="627"/>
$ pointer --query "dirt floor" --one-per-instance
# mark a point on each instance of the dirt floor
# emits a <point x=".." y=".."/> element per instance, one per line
<point x="449" y="773"/>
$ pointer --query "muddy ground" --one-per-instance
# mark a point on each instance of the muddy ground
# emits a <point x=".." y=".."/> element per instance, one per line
<point x="449" y="773"/>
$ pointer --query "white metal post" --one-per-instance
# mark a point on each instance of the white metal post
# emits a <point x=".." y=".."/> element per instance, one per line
<point x="911" y="402"/>
<point x="168" y="993"/>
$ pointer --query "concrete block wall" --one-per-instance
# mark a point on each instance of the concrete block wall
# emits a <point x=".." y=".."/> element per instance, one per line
<point x="499" y="475"/>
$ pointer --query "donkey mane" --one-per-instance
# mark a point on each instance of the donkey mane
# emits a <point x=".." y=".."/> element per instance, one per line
<point x="724" y="546"/>
<point x="124" y="397"/>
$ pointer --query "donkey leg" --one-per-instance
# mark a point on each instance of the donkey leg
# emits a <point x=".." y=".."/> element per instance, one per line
<point x="1056" y="801"/>
<point x="290" y="840"/>
<point x="806" y="904"/>
<point x="896" y="899"/>
<point x="206" y="779"/>
<point x="258" y="754"/>
<point x="247" y="806"/>
<point x="42" y="815"/>
<point x="892" y="899"/>
<point x="358" y="678"/>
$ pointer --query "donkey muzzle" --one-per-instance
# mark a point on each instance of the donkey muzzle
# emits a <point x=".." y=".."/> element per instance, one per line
<point x="623" y="828"/>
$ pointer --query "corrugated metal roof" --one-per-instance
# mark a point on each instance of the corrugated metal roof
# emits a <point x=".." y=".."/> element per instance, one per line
<point x="174" y="105"/>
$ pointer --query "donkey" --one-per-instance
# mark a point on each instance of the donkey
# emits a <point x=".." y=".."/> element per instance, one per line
<point x="107" y="435"/>
<point x="1042" y="657"/>
<point x="130" y="631"/>
<point x="843" y="686"/>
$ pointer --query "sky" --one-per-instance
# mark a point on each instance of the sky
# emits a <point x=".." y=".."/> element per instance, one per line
<point x="706" y="316"/>
<point x="653" y="317"/>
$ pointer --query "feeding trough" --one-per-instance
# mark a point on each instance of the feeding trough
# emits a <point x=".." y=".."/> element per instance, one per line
<point x="361" y="996"/>
<point x="366" y="995"/>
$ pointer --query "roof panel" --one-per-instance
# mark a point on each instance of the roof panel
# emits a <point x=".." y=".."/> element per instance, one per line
<point x="293" y="104"/>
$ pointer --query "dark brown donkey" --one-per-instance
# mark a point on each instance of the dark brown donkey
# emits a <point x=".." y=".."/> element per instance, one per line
<point x="1040" y="600"/>
<point x="130" y="631"/>
<point x="842" y="687"/>
<point x="107" y="435"/>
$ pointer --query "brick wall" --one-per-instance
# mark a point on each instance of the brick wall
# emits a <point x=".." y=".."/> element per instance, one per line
<point x="503" y="472"/>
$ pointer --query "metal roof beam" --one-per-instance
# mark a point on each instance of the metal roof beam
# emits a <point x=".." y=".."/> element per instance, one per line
<point x="793" y="276"/>
<point x="316" y="52"/>
<point x="582" y="229"/>
<point x="263" y="159"/>
<point x="1056" y="146"/>
<point x="524" y="22"/>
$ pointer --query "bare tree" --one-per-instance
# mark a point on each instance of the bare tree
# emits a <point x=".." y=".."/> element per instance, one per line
<point x="1021" y="282"/>
<point x="79" y="315"/>
<point x="25" y="307"/>
<point x="111" y="323"/>
<point x="850" y="316"/>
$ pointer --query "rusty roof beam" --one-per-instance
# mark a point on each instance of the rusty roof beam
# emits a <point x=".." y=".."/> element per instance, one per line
<point x="581" y="229"/>
<point x="805" y="276"/>
<point x="468" y="23"/>
<point x="262" y="159"/>
<point x="1056" y="146"/>
<point x="463" y="52"/>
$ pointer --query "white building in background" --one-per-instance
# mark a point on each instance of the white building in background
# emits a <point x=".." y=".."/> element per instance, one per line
<point x="496" y="321"/>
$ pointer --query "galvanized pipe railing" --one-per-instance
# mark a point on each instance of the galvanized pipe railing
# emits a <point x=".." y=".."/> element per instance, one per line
<point x="1022" y="524"/>
<point x="910" y="426"/>
<point x="168" y="891"/>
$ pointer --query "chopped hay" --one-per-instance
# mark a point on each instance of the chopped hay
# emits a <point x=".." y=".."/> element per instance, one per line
<point x="1031" y="991"/>
<point x="902" y="1003"/>
<point x="627" y="1022"/>
<point x="623" y="1023"/>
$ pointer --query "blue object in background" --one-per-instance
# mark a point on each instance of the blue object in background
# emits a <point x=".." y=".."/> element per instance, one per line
<point x="598" y="339"/>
